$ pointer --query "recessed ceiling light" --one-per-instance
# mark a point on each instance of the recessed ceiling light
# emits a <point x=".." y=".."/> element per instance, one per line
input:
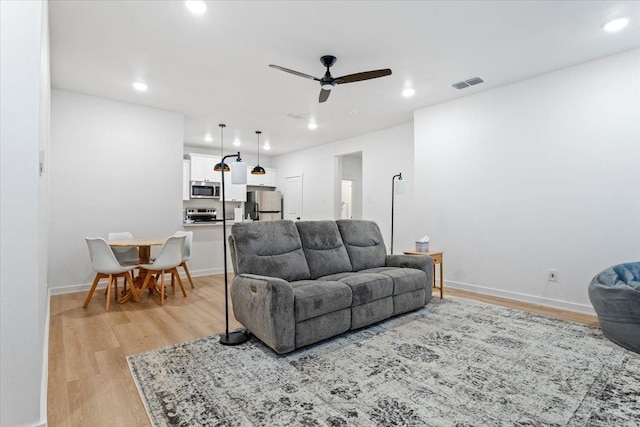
<point x="312" y="125"/>
<point x="408" y="92"/>
<point x="266" y="146"/>
<point x="140" y="86"/>
<point x="616" y="25"/>
<point x="208" y="138"/>
<point x="196" y="6"/>
<point x="353" y="111"/>
<point x="236" y="142"/>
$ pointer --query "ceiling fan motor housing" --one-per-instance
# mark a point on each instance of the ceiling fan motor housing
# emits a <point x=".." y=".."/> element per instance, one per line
<point x="328" y="60"/>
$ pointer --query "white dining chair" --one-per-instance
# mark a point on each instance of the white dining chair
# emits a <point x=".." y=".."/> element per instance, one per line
<point x="126" y="255"/>
<point x="186" y="252"/>
<point x="168" y="260"/>
<point x="105" y="264"/>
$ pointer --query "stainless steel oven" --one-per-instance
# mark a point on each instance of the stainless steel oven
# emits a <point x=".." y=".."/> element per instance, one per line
<point x="204" y="190"/>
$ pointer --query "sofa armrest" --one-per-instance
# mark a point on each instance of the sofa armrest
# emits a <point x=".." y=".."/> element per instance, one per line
<point x="264" y="305"/>
<point x="419" y="262"/>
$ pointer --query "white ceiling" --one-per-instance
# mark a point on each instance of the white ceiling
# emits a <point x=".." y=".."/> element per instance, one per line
<point x="213" y="68"/>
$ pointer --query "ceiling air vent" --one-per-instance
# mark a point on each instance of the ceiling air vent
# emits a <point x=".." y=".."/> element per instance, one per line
<point x="471" y="82"/>
<point x="296" y="116"/>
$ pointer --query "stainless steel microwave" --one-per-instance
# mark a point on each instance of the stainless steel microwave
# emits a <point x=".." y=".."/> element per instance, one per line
<point x="204" y="190"/>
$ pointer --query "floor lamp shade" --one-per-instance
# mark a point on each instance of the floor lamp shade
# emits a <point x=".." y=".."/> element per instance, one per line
<point x="400" y="187"/>
<point x="238" y="173"/>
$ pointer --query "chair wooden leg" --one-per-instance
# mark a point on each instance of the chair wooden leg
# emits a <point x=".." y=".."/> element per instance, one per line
<point x="127" y="278"/>
<point x="109" y="292"/>
<point x="186" y="270"/>
<point x="93" y="288"/>
<point x="175" y="272"/>
<point x="124" y="287"/>
<point x="162" y="288"/>
<point x="173" y="284"/>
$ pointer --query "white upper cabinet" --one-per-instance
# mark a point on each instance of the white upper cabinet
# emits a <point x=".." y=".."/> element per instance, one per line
<point x="233" y="192"/>
<point x="202" y="167"/>
<point x="266" y="180"/>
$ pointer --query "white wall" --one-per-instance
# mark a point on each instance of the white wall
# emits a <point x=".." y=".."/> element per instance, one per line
<point x="114" y="167"/>
<point x="24" y="119"/>
<point x="535" y="175"/>
<point x="384" y="154"/>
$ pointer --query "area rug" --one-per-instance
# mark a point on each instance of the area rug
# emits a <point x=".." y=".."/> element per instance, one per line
<point x="456" y="362"/>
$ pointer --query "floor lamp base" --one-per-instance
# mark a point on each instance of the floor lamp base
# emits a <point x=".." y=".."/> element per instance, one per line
<point x="234" y="338"/>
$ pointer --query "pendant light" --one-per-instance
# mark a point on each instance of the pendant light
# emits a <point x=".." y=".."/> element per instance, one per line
<point x="222" y="165"/>
<point x="258" y="170"/>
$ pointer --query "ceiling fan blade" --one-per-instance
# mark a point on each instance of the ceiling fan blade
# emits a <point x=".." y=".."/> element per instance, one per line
<point x="297" y="73"/>
<point x="324" y="95"/>
<point x="357" y="77"/>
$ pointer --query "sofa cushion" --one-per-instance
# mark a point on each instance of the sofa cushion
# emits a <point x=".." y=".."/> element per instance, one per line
<point x="313" y="298"/>
<point x="269" y="248"/>
<point x="364" y="243"/>
<point x="323" y="248"/>
<point x="404" y="279"/>
<point x="337" y="276"/>
<point x="367" y="287"/>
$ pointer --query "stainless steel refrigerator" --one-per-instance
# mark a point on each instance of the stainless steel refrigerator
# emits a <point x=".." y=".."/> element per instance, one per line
<point x="264" y="205"/>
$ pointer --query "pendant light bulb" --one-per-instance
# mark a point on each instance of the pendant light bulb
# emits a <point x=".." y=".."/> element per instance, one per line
<point x="221" y="166"/>
<point x="258" y="170"/>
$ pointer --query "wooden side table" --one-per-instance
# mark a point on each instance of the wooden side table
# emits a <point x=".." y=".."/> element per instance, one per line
<point x="437" y="260"/>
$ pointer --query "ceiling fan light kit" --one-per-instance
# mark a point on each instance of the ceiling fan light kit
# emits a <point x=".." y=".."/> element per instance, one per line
<point x="328" y="82"/>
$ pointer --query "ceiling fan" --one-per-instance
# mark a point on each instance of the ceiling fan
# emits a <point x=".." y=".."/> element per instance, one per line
<point x="328" y="82"/>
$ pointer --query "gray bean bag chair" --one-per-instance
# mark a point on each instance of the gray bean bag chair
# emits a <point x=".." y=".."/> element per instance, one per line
<point x="615" y="296"/>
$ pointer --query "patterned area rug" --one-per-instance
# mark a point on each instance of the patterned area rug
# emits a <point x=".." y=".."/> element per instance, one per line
<point x="455" y="362"/>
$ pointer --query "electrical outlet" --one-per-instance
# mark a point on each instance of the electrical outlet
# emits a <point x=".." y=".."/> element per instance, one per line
<point x="553" y="275"/>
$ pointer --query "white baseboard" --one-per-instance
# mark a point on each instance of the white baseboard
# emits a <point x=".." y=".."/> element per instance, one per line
<point x="84" y="287"/>
<point x="45" y="366"/>
<point x="516" y="296"/>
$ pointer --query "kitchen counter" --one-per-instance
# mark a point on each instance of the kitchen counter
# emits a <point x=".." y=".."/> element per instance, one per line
<point x="208" y="224"/>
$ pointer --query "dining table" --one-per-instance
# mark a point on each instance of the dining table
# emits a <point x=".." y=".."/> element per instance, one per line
<point x="144" y="245"/>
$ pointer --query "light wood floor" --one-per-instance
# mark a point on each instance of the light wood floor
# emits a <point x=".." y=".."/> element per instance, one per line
<point x="89" y="379"/>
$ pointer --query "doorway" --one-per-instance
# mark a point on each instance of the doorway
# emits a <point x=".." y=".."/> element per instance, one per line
<point x="348" y="186"/>
<point x="347" y="199"/>
<point x="293" y="198"/>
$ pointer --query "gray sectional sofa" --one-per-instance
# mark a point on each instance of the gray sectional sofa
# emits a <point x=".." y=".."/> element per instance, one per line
<point x="298" y="283"/>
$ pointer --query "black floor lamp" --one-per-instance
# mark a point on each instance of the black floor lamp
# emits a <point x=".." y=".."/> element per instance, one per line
<point x="238" y="176"/>
<point x="393" y="191"/>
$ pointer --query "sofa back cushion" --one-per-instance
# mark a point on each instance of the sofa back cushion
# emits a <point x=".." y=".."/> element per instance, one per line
<point x="323" y="248"/>
<point x="364" y="243"/>
<point x="269" y="248"/>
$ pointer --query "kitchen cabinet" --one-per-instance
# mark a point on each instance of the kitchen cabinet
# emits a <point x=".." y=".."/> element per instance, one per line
<point x="186" y="177"/>
<point x="201" y="167"/>
<point x="234" y="192"/>
<point x="266" y="180"/>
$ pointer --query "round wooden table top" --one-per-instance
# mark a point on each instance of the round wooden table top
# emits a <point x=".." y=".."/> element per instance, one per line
<point x="139" y="241"/>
